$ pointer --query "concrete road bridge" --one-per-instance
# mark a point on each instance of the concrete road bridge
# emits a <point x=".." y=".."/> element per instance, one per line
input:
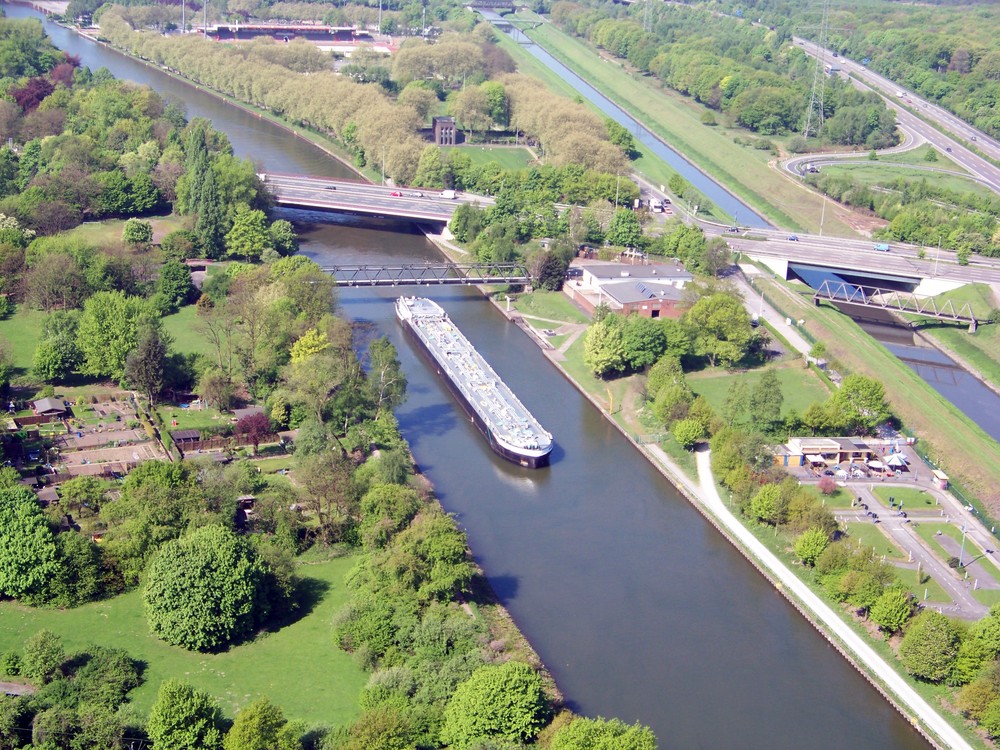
<point x="347" y="196"/>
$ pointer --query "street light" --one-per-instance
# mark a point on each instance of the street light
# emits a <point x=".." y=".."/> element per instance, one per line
<point x="961" y="555"/>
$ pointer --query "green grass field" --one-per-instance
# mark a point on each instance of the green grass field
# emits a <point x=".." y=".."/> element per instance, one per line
<point x="799" y="386"/>
<point x="109" y="232"/>
<point x="929" y="533"/>
<point x="191" y="419"/>
<point x="878" y="173"/>
<point x="989" y="597"/>
<point x="182" y="327"/>
<point x="22" y="331"/>
<point x="508" y="157"/>
<point x="298" y="667"/>
<point x="932" y="588"/>
<point x="840" y="498"/>
<point x="910" y="497"/>
<point x="871" y="536"/>
<point x="550" y="306"/>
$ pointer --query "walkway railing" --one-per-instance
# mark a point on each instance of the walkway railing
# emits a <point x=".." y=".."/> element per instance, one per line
<point x="430" y="274"/>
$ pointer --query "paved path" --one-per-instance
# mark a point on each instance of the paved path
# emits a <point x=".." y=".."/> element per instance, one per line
<point x="755" y="305"/>
<point x="864" y="654"/>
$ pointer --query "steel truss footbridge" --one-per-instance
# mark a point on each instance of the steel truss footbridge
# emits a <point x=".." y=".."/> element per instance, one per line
<point x="429" y="274"/>
<point x="896" y="301"/>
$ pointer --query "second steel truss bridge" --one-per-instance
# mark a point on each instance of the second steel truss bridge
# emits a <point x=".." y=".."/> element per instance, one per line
<point x="417" y="274"/>
<point x="896" y="301"/>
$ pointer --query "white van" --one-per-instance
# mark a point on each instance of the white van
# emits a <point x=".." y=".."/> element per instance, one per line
<point x="449" y="194"/>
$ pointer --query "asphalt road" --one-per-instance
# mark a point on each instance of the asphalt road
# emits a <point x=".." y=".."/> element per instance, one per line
<point x="919" y="117"/>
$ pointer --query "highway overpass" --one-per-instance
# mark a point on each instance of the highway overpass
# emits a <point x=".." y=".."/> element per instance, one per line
<point x="346" y="196"/>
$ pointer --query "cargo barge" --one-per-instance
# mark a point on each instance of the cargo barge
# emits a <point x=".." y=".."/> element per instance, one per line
<point x="505" y="422"/>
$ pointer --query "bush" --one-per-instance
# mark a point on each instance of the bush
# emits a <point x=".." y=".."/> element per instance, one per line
<point x="827" y="485"/>
<point x="10" y="663"/>
<point x="810" y="545"/>
<point x="930" y="646"/>
<point x="43" y="656"/>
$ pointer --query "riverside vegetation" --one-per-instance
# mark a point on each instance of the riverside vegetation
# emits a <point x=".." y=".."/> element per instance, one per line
<point x="444" y="667"/>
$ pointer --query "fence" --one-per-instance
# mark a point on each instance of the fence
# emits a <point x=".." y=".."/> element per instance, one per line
<point x="223" y="443"/>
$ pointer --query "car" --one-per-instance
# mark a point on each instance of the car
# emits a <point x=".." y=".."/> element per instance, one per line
<point x="417" y="194"/>
<point x="396" y="194"/>
<point x="793" y="238"/>
<point x="827" y="473"/>
<point x="733" y="230"/>
<point x="948" y="149"/>
<point x="330" y="187"/>
<point x="973" y="137"/>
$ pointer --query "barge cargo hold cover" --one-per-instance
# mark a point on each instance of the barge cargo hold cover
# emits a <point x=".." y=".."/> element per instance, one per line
<point x="510" y="428"/>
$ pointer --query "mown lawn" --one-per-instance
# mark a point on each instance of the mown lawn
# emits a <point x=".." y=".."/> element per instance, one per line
<point x="878" y="173"/>
<point x="870" y="535"/>
<point x="840" y="498"/>
<point x="109" y="231"/>
<point x="22" y="331"/>
<point x="298" y="666"/>
<point x="508" y="157"/>
<point x="182" y="327"/>
<point x="550" y="306"/>
<point x="800" y="387"/>
<point x="191" y="419"/>
<point x="910" y="497"/>
<point x="908" y="576"/>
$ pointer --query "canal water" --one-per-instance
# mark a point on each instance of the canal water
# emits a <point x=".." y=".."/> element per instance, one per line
<point x="741" y="212"/>
<point x="978" y="402"/>
<point x="636" y="604"/>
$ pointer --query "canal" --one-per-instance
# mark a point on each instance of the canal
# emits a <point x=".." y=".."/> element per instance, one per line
<point x="636" y="604"/>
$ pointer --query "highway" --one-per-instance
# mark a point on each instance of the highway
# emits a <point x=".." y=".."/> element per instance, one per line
<point x="364" y="198"/>
<point x="916" y="116"/>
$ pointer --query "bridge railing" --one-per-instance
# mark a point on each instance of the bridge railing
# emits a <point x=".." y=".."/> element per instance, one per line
<point x="895" y="300"/>
<point x="414" y="274"/>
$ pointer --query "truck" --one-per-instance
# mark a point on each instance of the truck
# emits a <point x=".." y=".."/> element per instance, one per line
<point x="657" y="205"/>
<point x="882" y="247"/>
<point x="449" y="194"/>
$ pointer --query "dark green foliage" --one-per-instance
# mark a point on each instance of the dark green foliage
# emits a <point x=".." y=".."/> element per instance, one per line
<point x="145" y="364"/>
<point x="205" y="590"/>
<point x="502" y="702"/>
<point x="174" y="285"/>
<point x="183" y="718"/>
<point x="57" y="354"/>
<point x="180" y="244"/>
<point x="106" y="677"/>
<point x="29" y="557"/>
<point x="80" y="579"/>
<point x="43" y="656"/>
<point x="385" y="510"/>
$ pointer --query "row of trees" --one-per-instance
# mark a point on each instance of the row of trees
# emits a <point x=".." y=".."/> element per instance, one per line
<point x="752" y="73"/>
<point x="923" y="213"/>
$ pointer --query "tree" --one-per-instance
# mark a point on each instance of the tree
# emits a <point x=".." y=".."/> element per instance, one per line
<point x="211" y="223"/>
<point x="498" y="702"/>
<point x="216" y="389"/>
<point x="57" y="354"/>
<point x="930" y="646"/>
<point x="604" y="347"/>
<point x="256" y="427"/>
<point x="205" y="590"/>
<point x="43" y="656"/>
<point x="722" y="328"/>
<point x="183" y="718"/>
<point x="766" y="399"/>
<point x="174" y="284"/>
<point x="624" y="229"/>
<point x="249" y="236"/>
<point x="309" y="343"/>
<point x="109" y="331"/>
<point x="766" y="504"/>
<point x="603" y="734"/>
<point x="283" y="237"/>
<point x="891" y="610"/>
<point x="260" y="726"/>
<point x="687" y="432"/>
<point x="810" y="545"/>
<point x="385" y="375"/>
<point x="137" y="233"/>
<point x="860" y="404"/>
<point x="644" y="341"/>
<point x="144" y="366"/>
<point x="28" y="555"/>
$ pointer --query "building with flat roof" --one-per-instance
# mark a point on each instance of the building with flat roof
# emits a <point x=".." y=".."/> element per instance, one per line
<point x="653" y="290"/>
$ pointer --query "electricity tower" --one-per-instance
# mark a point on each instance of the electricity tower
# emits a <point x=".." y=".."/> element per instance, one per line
<point x="814" y="116"/>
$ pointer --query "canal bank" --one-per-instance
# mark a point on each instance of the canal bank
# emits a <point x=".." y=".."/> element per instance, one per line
<point x="703" y="495"/>
<point x="640" y="609"/>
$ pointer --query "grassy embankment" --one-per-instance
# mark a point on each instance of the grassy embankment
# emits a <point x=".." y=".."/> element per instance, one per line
<point x="298" y="667"/>
<point x="945" y="434"/>
<point x="677" y="120"/>
<point x="979" y="350"/>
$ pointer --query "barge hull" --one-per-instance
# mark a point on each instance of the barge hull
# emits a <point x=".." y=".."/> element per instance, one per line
<point x="528" y="461"/>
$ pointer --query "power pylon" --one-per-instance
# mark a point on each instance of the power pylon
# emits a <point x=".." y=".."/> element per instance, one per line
<point x="815" y="112"/>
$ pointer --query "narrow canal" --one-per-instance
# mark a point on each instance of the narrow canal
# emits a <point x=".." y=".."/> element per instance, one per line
<point x="637" y="605"/>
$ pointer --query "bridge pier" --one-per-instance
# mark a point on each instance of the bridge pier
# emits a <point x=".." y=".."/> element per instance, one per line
<point x="973" y="325"/>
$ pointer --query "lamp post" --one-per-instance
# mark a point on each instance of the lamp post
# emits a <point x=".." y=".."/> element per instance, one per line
<point x="961" y="554"/>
